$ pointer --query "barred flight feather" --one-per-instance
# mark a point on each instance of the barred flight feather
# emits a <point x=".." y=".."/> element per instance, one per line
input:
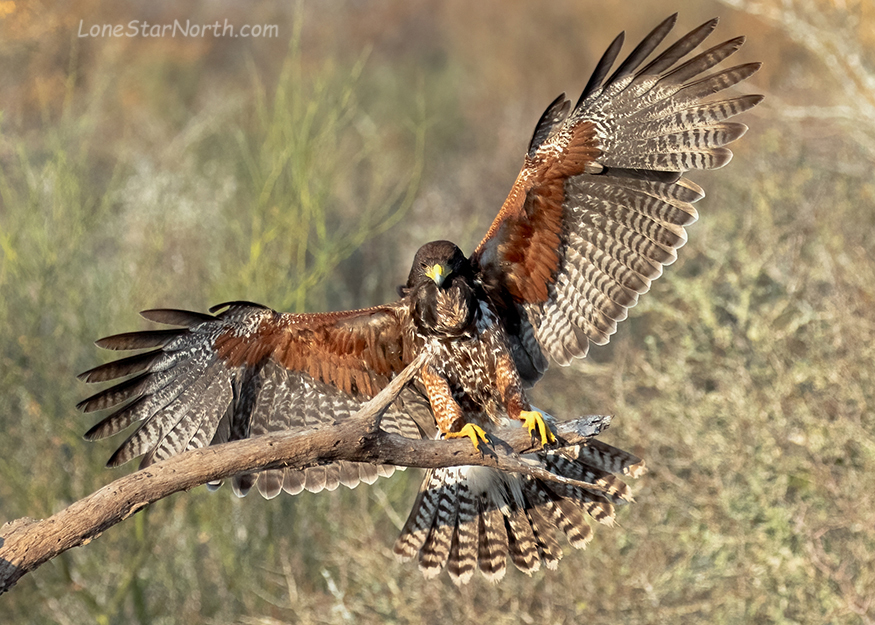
<point x="660" y="239"/>
<point x="583" y="306"/>
<point x="582" y="275"/>
<point x="200" y="415"/>
<point x="612" y="252"/>
<point x="161" y="424"/>
<point x="586" y="305"/>
<point x="669" y="99"/>
<point x="202" y="436"/>
<point x="147" y="383"/>
<point x="704" y="61"/>
<point x="615" y="268"/>
<point x="556" y="336"/>
<point x="666" y="203"/>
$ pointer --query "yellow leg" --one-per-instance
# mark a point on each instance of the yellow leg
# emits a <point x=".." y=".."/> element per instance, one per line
<point x="474" y="432"/>
<point x="536" y="425"/>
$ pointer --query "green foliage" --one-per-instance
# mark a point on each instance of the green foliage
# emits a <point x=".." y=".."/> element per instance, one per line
<point x="317" y="182"/>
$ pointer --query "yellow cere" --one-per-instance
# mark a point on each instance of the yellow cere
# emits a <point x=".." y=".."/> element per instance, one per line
<point x="437" y="273"/>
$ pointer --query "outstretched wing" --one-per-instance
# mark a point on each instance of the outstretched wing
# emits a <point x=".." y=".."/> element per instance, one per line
<point x="600" y="205"/>
<point x="247" y="371"/>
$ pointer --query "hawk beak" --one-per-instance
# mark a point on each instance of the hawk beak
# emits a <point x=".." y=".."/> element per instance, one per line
<point x="438" y="273"/>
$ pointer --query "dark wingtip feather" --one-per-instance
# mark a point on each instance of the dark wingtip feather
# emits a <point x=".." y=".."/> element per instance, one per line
<point x="138" y="340"/>
<point x="681" y="47"/>
<point x="103" y="429"/>
<point x="721" y="157"/>
<point x="94" y="433"/>
<point x="117" y="421"/>
<point x="602" y="68"/>
<point x="176" y="317"/>
<point x="734" y="44"/>
<point x="235" y="304"/>
<point x="121" y="368"/>
<point x="118" y="458"/>
<point x="130" y="449"/>
<point x="113" y="395"/>
<point x="733" y="131"/>
<point x="643" y="49"/>
<point x="555" y="113"/>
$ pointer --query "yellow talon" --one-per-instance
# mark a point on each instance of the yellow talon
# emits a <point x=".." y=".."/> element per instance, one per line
<point x="474" y="432"/>
<point x="533" y="420"/>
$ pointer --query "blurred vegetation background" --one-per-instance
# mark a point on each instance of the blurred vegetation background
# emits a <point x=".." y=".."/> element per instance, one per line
<point x="303" y="171"/>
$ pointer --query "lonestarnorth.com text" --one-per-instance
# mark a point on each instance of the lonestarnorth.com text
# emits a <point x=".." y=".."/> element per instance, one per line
<point x="137" y="28"/>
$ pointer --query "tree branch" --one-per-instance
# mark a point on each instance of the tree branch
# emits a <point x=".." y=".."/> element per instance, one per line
<point x="27" y="543"/>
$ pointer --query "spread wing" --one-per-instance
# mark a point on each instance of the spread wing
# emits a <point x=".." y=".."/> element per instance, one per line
<point x="247" y="371"/>
<point x="600" y="206"/>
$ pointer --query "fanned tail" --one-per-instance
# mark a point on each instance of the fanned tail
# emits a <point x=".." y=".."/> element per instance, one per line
<point x="466" y="518"/>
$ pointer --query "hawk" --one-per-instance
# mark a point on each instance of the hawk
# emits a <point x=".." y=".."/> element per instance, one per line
<point x="598" y="209"/>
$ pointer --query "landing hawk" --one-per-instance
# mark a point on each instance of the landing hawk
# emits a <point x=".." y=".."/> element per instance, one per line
<point x="599" y="208"/>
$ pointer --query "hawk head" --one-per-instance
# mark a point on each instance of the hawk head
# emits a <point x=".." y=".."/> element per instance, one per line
<point x="441" y="288"/>
<point x="437" y="263"/>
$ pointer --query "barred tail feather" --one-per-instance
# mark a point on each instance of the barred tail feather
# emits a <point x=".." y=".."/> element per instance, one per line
<point x="492" y="545"/>
<point x="466" y="518"/>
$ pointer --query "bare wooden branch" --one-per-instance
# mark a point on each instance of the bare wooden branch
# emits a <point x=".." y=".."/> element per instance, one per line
<point x="27" y="543"/>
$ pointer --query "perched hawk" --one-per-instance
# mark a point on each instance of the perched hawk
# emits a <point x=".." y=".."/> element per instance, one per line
<point x="596" y="212"/>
